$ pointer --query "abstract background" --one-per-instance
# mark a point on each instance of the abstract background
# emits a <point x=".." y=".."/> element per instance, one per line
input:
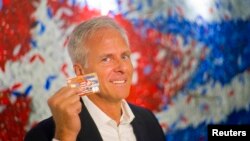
<point x="191" y="60"/>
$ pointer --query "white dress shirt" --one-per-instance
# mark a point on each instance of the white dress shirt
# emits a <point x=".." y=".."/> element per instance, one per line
<point x="107" y="127"/>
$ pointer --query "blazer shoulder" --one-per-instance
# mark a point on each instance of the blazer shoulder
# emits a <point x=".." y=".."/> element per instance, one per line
<point x="43" y="131"/>
<point x="141" y="112"/>
<point x="146" y="123"/>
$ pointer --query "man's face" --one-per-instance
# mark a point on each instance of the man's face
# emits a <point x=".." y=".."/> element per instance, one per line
<point x="109" y="56"/>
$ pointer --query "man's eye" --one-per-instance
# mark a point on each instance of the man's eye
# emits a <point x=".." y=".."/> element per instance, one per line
<point x="105" y="59"/>
<point x="125" y="57"/>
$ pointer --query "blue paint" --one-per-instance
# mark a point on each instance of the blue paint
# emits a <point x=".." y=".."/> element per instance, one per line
<point x="33" y="43"/>
<point x="200" y="132"/>
<point x="147" y="70"/>
<point x="17" y="93"/>
<point x="218" y="4"/>
<point x="139" y="6"/>
<point x="48" y="82"/>
<point x="41" y="27"/>
<point x="150" y="3"/>
<point x="241" y="80"/>
<point x="227" y="40"/>
<point x="204" y="91"/>
<point x="28" y="89"/>
<point x="119" y="5"/>
<point x="176" y="62"/>
<point x="49" y="13"/>
<point x="73" y="2"/>
<point x="1" y="4"/>
<point x="23" y="94"/>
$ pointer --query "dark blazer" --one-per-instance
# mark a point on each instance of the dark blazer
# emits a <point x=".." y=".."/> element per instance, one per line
<point x="145" y="126"/>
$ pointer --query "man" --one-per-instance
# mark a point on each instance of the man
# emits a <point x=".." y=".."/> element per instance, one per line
<point x="101" y="46"/>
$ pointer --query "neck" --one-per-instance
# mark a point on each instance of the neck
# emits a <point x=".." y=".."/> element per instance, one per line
<point x="111" y="108"/>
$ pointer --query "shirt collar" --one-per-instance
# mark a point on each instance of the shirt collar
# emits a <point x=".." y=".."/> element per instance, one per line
<point x="100" y="117"/>
<point x="127" y="114"/>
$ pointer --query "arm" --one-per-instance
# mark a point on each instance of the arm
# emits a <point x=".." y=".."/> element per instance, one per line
<point x="65" y="107"/>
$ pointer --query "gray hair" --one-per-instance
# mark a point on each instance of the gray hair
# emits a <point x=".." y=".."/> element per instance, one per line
<point x="76" y="45"/>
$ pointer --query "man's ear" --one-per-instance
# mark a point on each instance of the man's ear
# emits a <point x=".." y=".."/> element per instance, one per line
<point x="78" y="69"/>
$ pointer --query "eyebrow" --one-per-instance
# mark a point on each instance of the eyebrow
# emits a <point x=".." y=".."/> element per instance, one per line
<point x="105" y="55"/>
<point x="128" y="52"/>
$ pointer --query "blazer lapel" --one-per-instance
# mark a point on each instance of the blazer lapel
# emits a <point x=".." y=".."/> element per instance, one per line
<point x="138" y="127"/>
<point x="89" y="131"/>
<point x="138" y="130"/>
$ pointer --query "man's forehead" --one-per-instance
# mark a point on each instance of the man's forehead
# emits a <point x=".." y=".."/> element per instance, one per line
<point x="114" y="52"/>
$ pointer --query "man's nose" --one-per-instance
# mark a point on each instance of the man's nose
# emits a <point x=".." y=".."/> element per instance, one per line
<point x="120" y="66"/>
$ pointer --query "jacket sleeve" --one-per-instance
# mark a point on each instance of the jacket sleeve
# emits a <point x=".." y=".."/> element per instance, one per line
<point x="43" y="131"/>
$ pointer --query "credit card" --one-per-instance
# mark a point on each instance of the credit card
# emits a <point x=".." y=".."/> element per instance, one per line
<point x="86" y="83"/>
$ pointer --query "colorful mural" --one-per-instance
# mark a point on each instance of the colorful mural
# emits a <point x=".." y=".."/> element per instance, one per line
<point x="190" y="59"/>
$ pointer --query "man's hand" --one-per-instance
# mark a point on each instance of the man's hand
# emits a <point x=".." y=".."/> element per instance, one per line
<point x="65" y="106"/>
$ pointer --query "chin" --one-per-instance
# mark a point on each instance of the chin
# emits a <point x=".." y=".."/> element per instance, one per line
<point x="121" y="95"/>
<point x="124" y="96"/>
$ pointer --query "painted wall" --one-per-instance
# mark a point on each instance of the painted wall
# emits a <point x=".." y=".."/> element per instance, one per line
<point x="191" y="60"/>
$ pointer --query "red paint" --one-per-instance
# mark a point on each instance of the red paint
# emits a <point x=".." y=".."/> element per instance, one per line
<point x="15" y="29"/>
<point x="15" y="116"/>
<point x="231" y="93"/>
<point x="37" y="57"/>
<point x="16" y="86"/>
<point x="64" y="70"/>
